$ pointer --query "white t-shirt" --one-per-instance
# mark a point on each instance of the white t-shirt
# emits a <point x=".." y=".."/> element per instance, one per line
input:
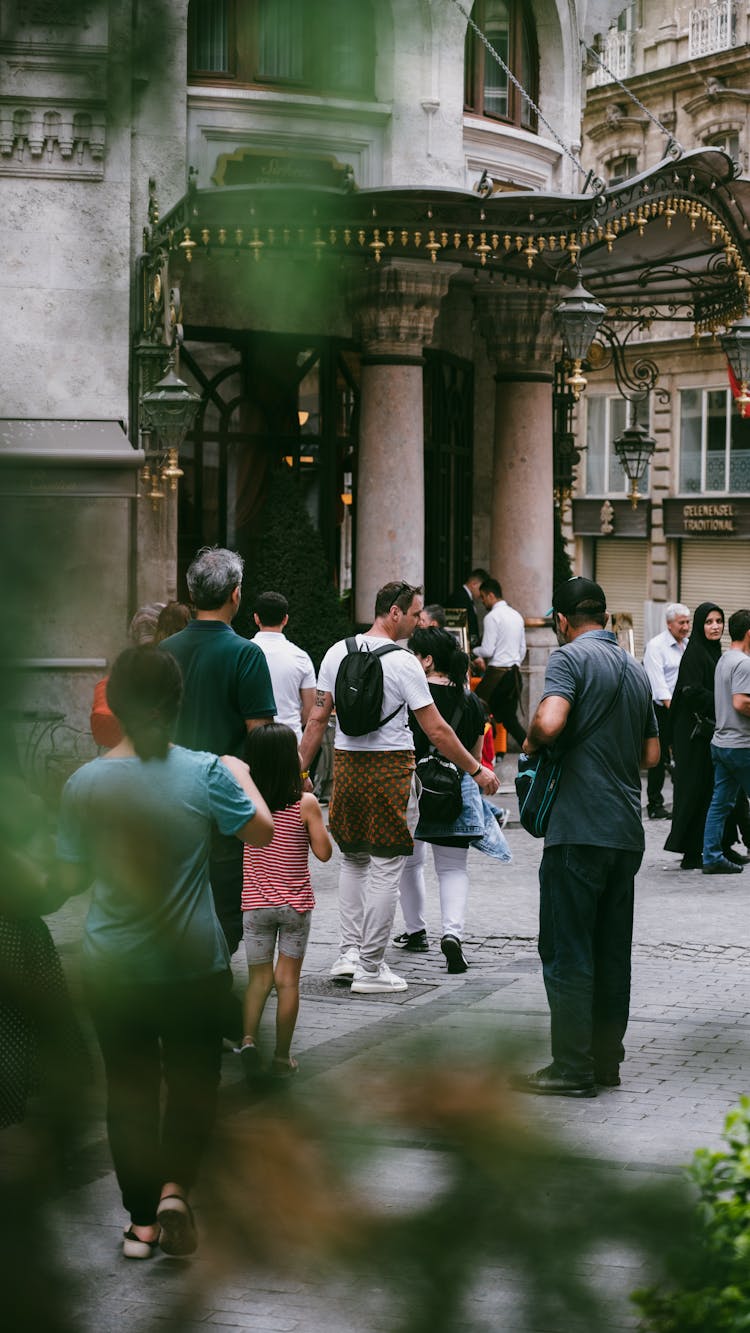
<point x="291" y="670"/>
<point x="404" y="682"/>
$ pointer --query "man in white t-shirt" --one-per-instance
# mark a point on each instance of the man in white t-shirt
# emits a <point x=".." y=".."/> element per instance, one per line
<point x="292" y="672"/>
<point x="374" y="806"/>
<point x="730" y="744"/>
<point x="499" y="656"/>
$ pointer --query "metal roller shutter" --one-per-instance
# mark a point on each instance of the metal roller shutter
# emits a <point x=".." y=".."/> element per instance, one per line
<point x="715" y="570"/>
<point x="622" y="569"/>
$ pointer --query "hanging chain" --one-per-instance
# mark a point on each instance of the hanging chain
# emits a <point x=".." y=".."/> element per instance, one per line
<point x="526" y="97"/>
<point x="674" y="149"/>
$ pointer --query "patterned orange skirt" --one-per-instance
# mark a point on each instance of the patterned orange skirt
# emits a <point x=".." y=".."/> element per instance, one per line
<point x="369" y="801"/>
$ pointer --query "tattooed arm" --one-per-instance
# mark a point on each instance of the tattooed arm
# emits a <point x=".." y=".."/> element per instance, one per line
<point x="317" y="722"/>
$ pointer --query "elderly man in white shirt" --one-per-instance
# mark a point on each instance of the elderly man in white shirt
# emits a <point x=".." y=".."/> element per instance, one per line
<point x="291" y="669"/>
<point x="661" y="659"/>
<point x="500" y="655"/>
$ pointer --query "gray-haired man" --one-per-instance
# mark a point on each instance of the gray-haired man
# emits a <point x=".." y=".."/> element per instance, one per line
<point x="661" y="660"/>
<point x="227" y="690"/>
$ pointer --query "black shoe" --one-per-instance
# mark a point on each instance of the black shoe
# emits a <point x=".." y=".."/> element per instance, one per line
<point x="414" y="943"/>
<point x="736" y="858"/>
<point x="691" y="862"/>
<point x="548" y="1083"/>
<point x="659" y="811"/>
<point x="608" y="1077"/>
<point x="450" y="946"/>
<point x="722" y="867"/>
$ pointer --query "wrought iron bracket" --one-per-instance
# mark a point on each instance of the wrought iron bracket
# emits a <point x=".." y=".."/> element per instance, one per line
<point x="635" y="378"/>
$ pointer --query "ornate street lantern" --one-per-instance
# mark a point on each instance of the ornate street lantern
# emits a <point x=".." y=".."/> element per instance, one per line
<point x="169" y="411"/>
<point x="578" y="317"/>
<point x="736" y="344"/>
<point x="634" y="448"/>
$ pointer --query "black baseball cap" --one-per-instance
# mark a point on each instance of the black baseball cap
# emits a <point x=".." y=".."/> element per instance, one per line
<point x="578" y="594"/>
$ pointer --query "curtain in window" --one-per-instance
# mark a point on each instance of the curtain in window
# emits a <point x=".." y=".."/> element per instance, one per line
<point x="281" y="41"/>
<point x="497" y="29"/>
<point x="208" y="36"/>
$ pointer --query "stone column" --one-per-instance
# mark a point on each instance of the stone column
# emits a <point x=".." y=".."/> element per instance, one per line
<point x="395" y="304"/>
<point x="518" y="327"/>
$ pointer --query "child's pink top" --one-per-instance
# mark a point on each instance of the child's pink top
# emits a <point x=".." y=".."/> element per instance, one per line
<point x="279" y="875"/>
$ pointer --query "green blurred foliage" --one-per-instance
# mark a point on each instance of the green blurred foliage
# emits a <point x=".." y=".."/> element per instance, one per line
<point x="716" y="1296"/>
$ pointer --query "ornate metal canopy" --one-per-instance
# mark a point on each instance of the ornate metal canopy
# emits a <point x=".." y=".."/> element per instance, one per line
<point x="672" y="243"/>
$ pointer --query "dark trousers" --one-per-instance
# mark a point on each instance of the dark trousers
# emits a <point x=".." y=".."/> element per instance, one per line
<point x="585" y="935"/>
<point x="655" y="779"/>
<point x="146" y="1032"/>
<point x="501" y="694"/>
<point x="225" y="870"/>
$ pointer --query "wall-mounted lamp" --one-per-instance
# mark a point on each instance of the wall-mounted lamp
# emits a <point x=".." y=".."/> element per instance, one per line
<point x="169" y="411"/>
<point x="736" y="344"/>
<point x="578" y="317"/>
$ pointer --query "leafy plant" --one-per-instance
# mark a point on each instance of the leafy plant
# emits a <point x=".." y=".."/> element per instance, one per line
<point x="716" y="1296"/>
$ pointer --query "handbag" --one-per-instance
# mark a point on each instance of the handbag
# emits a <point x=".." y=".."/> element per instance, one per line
<point x="538" y="778"/>
<point x="703" y="728"/>
<point x="440" y="800"/>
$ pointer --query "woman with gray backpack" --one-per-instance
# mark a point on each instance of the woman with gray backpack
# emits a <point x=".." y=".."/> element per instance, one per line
<point x="453" y="814"/>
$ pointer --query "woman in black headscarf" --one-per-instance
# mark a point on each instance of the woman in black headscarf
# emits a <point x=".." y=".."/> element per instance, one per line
<point x="691" y="718"/>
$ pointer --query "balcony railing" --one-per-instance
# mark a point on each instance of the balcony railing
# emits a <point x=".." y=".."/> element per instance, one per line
<point x="617" y="54"/>
<point x="712" y="28"/>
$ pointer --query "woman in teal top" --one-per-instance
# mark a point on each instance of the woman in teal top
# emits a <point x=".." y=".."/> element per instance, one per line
<point x="135" y="825"/>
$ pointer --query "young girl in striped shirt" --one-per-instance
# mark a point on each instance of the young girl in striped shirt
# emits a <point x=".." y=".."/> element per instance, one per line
<point x="277" y="896"/>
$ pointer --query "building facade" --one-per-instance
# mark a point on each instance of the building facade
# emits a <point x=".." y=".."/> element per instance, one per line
<point x="688" y="65"/>
<point x="351" y="227"/>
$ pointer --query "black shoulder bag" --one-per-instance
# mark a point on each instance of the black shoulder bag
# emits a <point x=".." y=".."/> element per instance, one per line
<point x="440" y="800"/>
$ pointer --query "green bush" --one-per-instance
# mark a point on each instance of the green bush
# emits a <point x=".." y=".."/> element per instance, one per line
<point x="288" y="557"/>
<point x="716" y="1297"/>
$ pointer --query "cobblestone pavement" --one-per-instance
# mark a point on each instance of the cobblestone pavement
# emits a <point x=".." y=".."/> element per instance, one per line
<point x="688" y="1057"/>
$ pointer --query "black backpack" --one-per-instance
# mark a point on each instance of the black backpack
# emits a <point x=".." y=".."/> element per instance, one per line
<point x="359" y="689"/>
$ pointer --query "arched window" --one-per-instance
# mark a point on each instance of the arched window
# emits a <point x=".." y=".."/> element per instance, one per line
<point x="325" y="48"/>
<point x="488" y="91"/>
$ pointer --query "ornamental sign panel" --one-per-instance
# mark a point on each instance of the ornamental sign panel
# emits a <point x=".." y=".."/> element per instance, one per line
<point x="707" y="518"/>
<point x="253" y="166"/>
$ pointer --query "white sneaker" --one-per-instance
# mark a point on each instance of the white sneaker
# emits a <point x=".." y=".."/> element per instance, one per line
<point x="369" y="983"/>
<point x="346" y="964"/>
<point x="502" y="815"/>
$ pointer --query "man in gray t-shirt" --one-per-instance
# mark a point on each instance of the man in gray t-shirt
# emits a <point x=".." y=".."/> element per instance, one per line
<point x="594" y="842"/>
<point x="730" y="746"/>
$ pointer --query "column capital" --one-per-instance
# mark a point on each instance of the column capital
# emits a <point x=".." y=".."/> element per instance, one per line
<point x="519" y="329"/>
<point x="395" y="304"/>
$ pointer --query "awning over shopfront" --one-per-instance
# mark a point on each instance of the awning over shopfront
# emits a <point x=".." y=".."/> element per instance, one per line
<point x="671" y="243"/>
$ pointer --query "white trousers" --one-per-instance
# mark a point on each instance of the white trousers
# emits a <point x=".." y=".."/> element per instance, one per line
<point x="453" y="884"/>
<point x="368" y="895"/>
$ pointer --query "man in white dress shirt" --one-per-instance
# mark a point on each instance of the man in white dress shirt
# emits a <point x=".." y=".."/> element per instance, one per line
<point x="500" y="655"/>
<point x="292" y="671"/>
<point x="661" y="659"/>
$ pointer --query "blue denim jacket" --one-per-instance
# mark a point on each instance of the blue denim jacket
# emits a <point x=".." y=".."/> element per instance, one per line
<point x="476" y="821"/>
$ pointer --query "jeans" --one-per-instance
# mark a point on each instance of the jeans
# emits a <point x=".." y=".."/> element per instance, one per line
<point x="146" y="1031"/>
<point x="585" y="935"/>
<point x="731" y="775"/>
<point x="453" y="883"/>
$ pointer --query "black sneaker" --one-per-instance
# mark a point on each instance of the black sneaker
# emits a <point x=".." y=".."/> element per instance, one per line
<point x="450" y="947"/>
<point x="416" y="942"/>
<point x="659" y="811"/>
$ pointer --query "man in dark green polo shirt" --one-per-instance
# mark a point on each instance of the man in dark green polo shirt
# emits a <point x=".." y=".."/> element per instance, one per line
<point x="227" y="691"/>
